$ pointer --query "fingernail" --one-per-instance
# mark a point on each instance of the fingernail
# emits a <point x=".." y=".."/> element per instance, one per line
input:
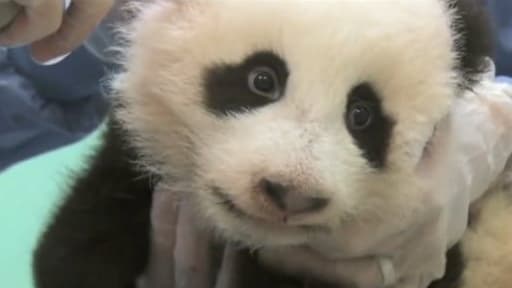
<point x="387" y="270"/>
<point x="52" y="61"/>
<point x="66" y="4"/>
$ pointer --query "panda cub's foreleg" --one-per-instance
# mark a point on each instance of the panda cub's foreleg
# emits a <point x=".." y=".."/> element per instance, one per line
<point x="99" y="236"/>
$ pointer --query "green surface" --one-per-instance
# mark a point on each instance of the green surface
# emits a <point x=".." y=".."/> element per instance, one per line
<point x="29" y="193"/>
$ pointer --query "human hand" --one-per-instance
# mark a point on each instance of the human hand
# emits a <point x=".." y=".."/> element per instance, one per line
<point x="49" y="28"/>
<point x="476" y="142"/>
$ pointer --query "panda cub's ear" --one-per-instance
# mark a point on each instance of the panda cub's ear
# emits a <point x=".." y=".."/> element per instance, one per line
<point x="474" y="39"/>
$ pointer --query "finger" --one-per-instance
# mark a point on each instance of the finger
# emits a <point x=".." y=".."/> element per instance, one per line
<point x="364" y="272"/>
<point x="228" y="274"/>
<point x="192" y="254"/>
<point x="82" y="17"/>
<point x="29" y="3"/>
<point x="164" y="216"/>
<point x="8" y="12"/>
<point x="33" y="23"/>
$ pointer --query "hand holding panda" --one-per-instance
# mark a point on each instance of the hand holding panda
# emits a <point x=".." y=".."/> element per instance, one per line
<point x="480" y="143"/>
<point x="480" y="147"/>
<point x="278" y="123"/>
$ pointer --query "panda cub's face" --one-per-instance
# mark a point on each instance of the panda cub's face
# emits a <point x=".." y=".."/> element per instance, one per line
<point x="282" y="120"/>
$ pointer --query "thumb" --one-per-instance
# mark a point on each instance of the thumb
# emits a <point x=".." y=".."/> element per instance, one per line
<point x="8" y="11"/>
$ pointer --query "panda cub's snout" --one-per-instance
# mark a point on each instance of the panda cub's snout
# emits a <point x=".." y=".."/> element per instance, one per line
<point x="279" y="201"/>
<point x="276" y="199"/>
<point x="287" y="200"/>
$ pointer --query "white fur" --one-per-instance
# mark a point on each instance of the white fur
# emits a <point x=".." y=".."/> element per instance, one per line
<point x="404" y="48"/>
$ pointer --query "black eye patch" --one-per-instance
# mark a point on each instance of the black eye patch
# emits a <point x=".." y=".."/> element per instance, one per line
<point x="228" y="89"/>
<point x="369" y="126"/>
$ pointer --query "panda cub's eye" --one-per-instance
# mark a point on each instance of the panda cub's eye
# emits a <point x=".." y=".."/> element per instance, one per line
<point x="263" y="81"/>
<point x="360" y="115"/>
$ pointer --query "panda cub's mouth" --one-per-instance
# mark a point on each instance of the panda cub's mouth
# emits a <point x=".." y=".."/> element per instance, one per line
<point x="227" y="204"/>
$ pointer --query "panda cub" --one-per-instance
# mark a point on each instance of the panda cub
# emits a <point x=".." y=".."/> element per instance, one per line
<point x="278" y="121"/>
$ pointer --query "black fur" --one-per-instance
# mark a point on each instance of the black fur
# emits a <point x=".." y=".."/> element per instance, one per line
<point x="374" y="139"/>
<point x="99" y="237"/>
<point x="476" y="41"/>
<point x="454" y="270"/>
<point x="226" y="86"/>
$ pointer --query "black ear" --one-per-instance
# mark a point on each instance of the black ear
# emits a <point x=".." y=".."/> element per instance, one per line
<point x="475" y="38"/>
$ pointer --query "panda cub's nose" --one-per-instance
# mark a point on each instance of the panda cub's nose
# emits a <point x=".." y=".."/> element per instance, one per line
<point x="290" y="201"/>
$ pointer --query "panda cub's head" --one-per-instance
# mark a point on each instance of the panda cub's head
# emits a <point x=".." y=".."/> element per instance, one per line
<point x="283" y="120"/>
